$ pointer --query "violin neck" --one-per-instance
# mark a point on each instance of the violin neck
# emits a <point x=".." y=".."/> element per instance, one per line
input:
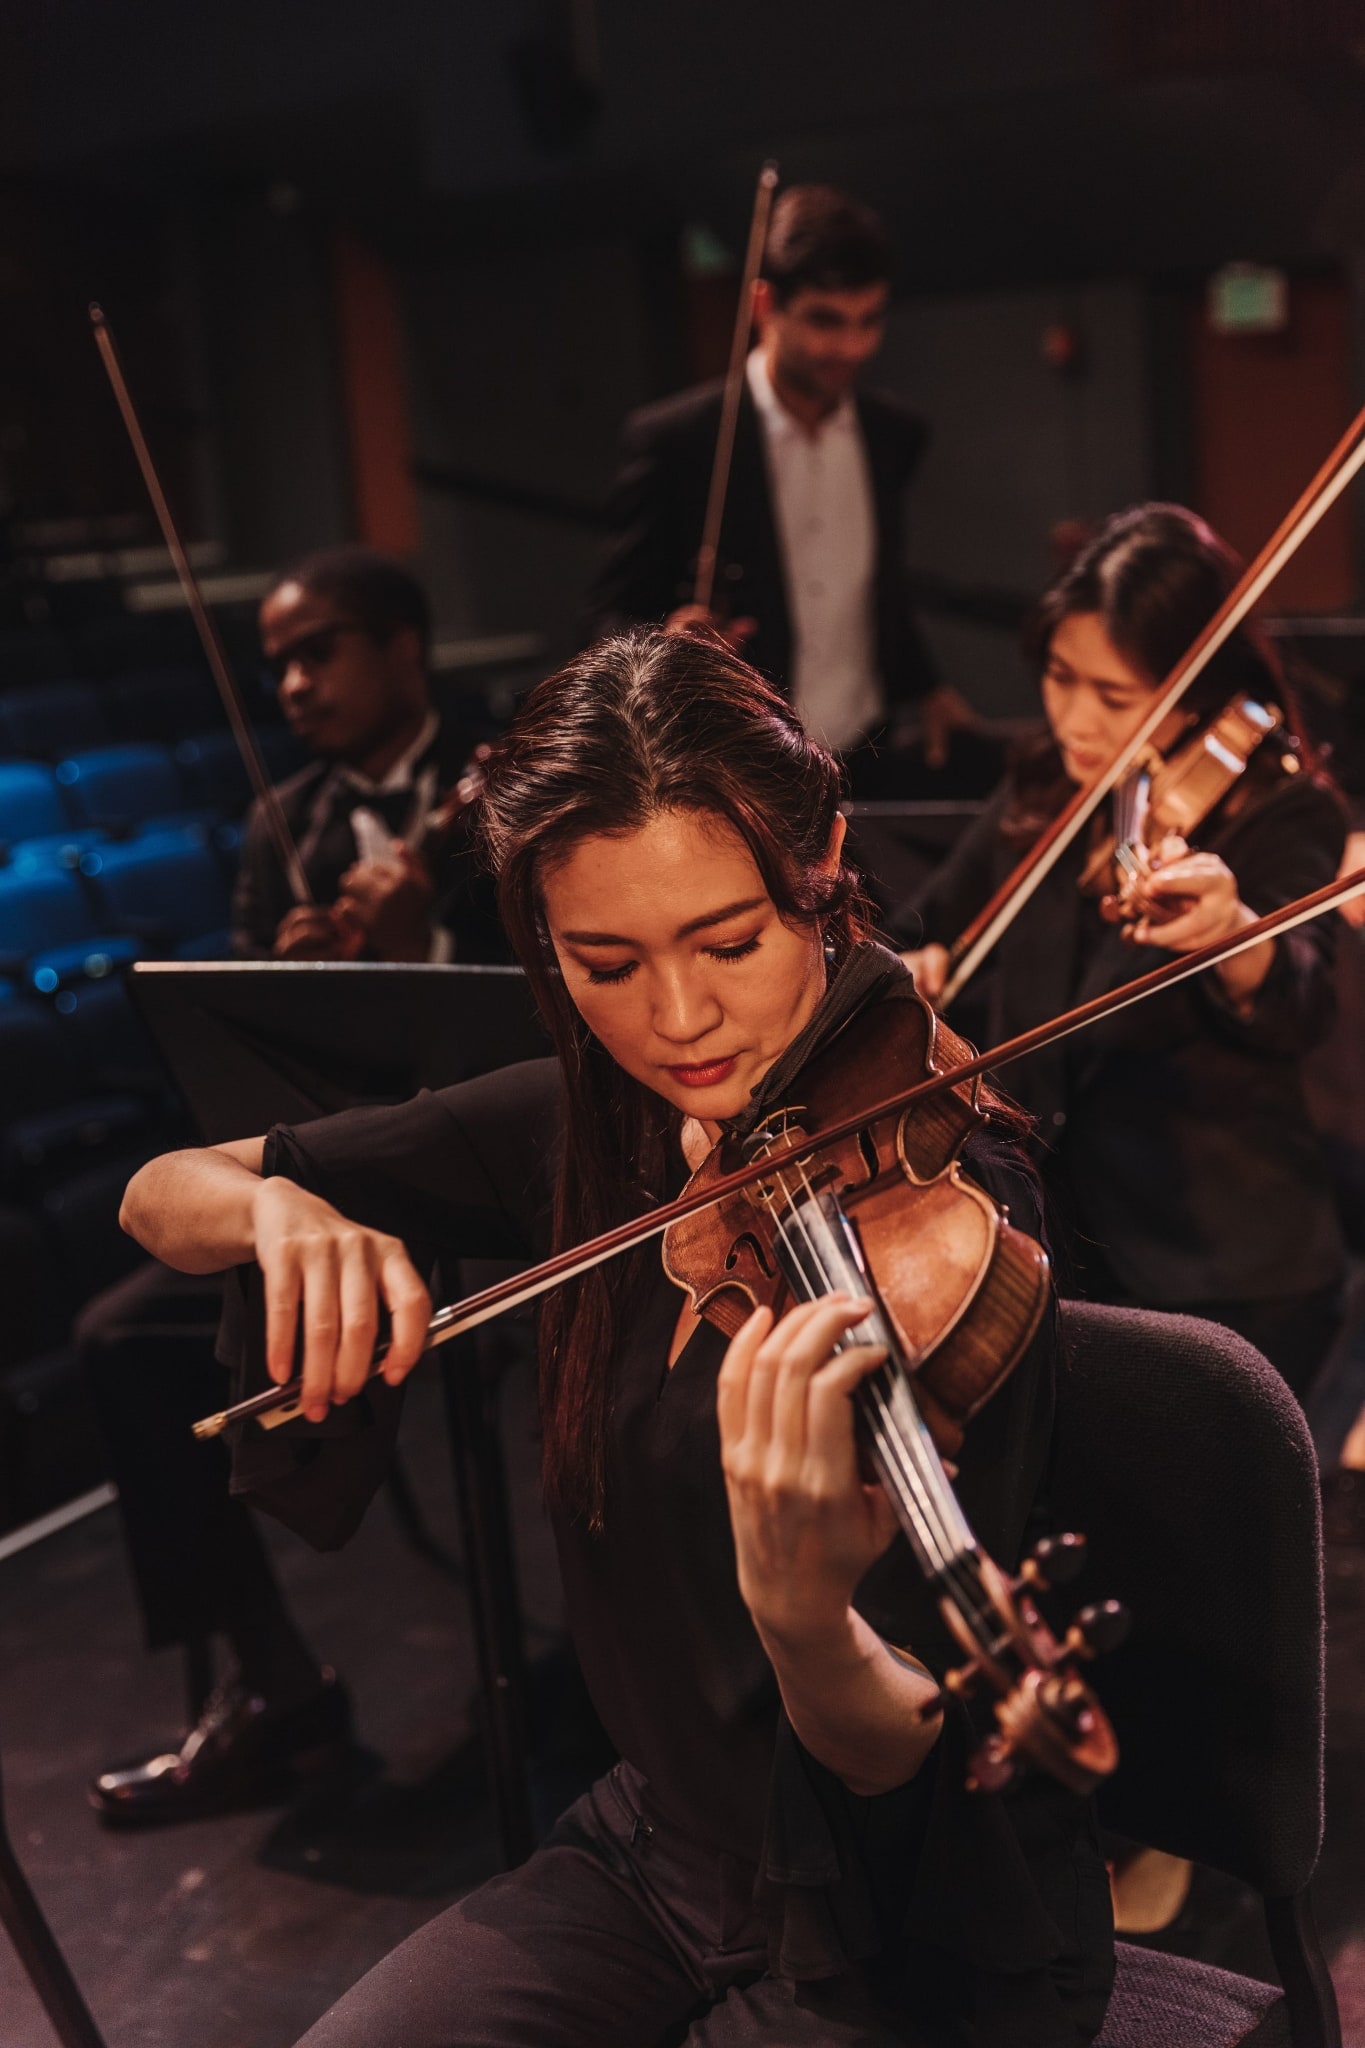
<point x="819" y="1253"/>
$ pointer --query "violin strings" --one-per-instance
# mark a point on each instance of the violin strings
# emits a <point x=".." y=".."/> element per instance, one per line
<point x="922" y="1457"/>
<point x="924" y="1511"/>
<point x="911" y="1464"/>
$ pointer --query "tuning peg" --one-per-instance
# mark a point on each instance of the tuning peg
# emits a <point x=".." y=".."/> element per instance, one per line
<point x="991" y="1766"/>
<point x="960" y="1680"/>
<point x="1097" y="1630"/>
<point x="1054" y="1561"/>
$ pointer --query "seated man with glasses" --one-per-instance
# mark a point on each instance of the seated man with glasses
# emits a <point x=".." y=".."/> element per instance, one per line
<point x="347" y="634"/>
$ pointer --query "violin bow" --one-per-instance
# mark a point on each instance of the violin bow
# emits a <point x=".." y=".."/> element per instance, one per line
<point x="704" y="586"/>
<point x="281" y="1403"/>
<point x="973" y="944"/>
<point x="271" y="809"/>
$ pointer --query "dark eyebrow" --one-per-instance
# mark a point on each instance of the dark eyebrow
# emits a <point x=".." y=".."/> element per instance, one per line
<point x="685" y="931"/>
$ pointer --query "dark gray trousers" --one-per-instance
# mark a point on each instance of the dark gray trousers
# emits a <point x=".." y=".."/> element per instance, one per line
<point x="618" y="1934"/>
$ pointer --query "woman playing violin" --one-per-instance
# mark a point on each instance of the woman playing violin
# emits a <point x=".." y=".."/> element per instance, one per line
<point x="786" y="1852"/>
<point x="1179" y="1142"/>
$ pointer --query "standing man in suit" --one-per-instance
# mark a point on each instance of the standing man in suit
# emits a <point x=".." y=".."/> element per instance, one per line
<point x="812" y="583"/>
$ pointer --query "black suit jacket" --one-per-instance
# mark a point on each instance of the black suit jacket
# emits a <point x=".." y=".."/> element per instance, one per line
<point x="1181" y="1142"/>
<point x="464" y="897"/>
<point x="656" y="520"/>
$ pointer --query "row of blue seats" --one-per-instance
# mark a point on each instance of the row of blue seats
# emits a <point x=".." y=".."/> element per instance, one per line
<point x="85" y="1103"/>
<point x="115" y="842"/>
<point x="165" y="892"/>
<point x="78" y="1076"/>
<point x="45" y="721"/>
<point x="114" y="789"/>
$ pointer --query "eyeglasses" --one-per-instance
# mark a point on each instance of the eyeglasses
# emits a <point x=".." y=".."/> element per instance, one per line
<point x="310" y="650"/>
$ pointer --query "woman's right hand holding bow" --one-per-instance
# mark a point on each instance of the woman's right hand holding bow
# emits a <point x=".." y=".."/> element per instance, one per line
<point x="203" y="1211"/>
<point x="329" y="1277"/>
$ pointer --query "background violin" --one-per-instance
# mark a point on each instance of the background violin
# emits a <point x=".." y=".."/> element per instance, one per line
<point x="439" y="827"/>
<point x="1165" y="800"/>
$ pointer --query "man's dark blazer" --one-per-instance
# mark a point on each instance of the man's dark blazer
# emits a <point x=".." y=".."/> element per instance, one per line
<point x="464" y="897"/>
<point x="656" y="520"/>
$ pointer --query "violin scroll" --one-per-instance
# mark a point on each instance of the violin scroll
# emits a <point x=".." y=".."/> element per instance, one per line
<point x="1045" y="1713"/>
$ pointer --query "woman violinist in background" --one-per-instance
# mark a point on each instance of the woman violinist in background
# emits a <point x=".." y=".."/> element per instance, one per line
<point x="1180" y="1149"/>
<point x="787" y="1852"/>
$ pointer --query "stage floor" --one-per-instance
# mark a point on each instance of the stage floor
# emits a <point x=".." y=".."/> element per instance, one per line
<point x="239" y="1932"/>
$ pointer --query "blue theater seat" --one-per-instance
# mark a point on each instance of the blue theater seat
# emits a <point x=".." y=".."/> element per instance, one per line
<point x="30" y="802"/>
<point x="65" y="849"/>
<point x="207" y="946"/>
<point x="164" y="886"/>
<point x="58" y="1111"/>
<point x="212" y="770"/>
<point x="51" y="719"/>
<point x="121" y="787"/>
<point x="41" y="907"/>
<point x="48" y="929"/>
<point x="102" y="1038"/>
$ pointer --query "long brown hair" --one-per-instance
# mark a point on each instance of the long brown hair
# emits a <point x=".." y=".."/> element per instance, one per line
<point x="1154" y="575"/>
<point x="641" y="724"/>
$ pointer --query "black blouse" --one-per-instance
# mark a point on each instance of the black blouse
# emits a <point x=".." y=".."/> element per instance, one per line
<point x="1182" y="1142"/>
<point x="669" y="1653"/>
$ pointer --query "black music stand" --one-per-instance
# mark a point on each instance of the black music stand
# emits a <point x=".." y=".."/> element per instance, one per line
<point x="254" y="1043"/>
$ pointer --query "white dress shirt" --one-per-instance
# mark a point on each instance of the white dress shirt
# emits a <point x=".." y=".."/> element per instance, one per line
<point x="827" y="532"/>
<point x="373" y="839"/>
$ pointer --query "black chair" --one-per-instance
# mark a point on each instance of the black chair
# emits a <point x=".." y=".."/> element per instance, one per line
<point x="1184" y="1459"/>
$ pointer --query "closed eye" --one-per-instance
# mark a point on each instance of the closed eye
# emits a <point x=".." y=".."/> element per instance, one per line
<point x="740" y="951"/>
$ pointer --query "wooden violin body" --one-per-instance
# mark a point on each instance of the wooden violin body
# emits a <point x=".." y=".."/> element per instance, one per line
<point x="963" y="1288"/>
<point x="955" y="1293"/>
<point x="1175" y="795"/>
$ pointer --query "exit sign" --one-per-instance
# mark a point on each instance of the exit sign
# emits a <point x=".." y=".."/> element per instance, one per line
<point x="1248" y="298"/>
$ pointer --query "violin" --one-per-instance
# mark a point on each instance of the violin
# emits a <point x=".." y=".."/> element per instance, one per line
<point x="810" y="1200"/>
<point x="1162" y="798"/>
<point x="436" y="830"/>
<point x="1018" y="1657"/>
<point x="957" y="1292"/>
<point x="973" y="945"/>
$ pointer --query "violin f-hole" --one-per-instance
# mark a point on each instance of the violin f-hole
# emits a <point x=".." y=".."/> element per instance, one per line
<point x="746" y="1241"/>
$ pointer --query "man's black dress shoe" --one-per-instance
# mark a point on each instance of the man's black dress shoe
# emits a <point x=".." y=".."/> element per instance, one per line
<point x="242" y="1752"/>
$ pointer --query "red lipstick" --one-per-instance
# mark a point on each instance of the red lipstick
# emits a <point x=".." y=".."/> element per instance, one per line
<point x="708" y="1076"/>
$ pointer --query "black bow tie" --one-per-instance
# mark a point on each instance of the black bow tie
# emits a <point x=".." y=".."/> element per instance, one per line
<point x="392" y="805"/>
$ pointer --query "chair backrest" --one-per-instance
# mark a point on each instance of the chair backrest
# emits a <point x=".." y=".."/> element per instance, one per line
<point x="49" y="719"/>
<point x="41" y="907"/>
<point x="30" y="805"/>
<point x="213" y="771"/>
<point x="1186" y="1462"/>
<point x="167" y="880"/>
<point x="118" y="787"/>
